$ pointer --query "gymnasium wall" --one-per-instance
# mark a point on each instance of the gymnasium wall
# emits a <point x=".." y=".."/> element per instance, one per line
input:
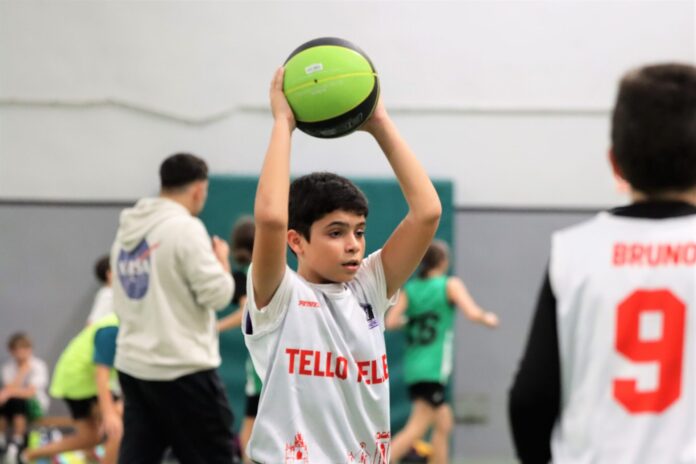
<point x="510" y="98"/>
<point x="47" y="282"/>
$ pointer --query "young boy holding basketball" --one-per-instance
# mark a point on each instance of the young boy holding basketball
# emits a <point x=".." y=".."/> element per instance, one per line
<point x="316" y="335"/>
<point x="608" y="372"/>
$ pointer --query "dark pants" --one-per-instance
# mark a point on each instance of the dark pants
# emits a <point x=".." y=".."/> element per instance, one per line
<point x="14" y="407"/>
<point x="189" y="414"/>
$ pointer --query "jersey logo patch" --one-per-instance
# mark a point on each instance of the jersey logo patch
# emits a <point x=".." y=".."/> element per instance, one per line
<point x="372" y="322"/>
<point x="296" y="451"/>
<point x="309" y="304"/>
<point x="381" y="453"/>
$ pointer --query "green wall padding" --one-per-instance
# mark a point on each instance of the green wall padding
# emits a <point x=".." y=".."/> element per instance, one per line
<point x="230" y="197"/>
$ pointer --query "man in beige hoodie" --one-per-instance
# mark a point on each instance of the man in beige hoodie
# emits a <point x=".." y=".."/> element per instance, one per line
<point x="170" y="277"/>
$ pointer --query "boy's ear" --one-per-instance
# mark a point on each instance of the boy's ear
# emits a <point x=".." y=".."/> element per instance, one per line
<point x="295" y="241"/>
<point x="621" y="184"/>
<point x="200" y="190"/>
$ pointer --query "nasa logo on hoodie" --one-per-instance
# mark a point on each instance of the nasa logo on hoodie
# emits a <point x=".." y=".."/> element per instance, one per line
<point x="134" y="269"/>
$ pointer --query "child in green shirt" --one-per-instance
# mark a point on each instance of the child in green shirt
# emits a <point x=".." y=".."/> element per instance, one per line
<point x="83" y="378"/>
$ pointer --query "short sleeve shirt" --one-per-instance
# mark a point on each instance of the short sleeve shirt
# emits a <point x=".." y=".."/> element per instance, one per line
<point x="37" y="377"/>
<point x="320" y="351"/>
<point x="105" y="346"/>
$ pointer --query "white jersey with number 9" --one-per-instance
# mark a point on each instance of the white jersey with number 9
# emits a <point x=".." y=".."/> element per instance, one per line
<point x="626" y="295"/>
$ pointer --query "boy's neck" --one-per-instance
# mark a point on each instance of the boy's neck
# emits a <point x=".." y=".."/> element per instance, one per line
<point x="184" y="200"/>
<point x="686" y="196"/>
<point x="434" y="273"/>
<point x="309" y="276"/>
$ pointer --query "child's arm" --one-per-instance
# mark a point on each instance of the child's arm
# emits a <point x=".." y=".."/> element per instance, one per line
<point x="459" y="295"/>
<point x="222" y="252"/>
<point x="15" y="388"/>
<point x="104" y="354"/>
<point x="24" y="393"/>
<point x="395" y="318"/>
<point x="239" y="298"/>
<point x="271" y="204"/>
<point x="20" y="376"/>
<point x="111" y="419"/>
<point x="404" y="249"/>
<point x="233" y="320"/>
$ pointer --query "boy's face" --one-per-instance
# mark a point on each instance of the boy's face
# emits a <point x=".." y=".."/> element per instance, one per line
<point x="21" y="352"/>
<point x="335" y="250"/>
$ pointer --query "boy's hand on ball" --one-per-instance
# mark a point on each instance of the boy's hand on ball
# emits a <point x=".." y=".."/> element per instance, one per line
<point x="279" y="104"/>
<point x="378" y="120"/>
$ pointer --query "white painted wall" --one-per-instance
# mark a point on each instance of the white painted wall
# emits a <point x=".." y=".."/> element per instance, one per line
<point x="509" y="98"/>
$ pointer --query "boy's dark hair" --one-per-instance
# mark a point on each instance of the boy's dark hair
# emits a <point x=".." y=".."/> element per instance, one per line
<point x="437" y="252"/>
<point x="101" y="267"/>
<point x="180" y="170"/>
<point x="242" y="240"/>
<point x="17" y="339"/>
<point x="654" y="128"/>
<point x="315" y="195"/>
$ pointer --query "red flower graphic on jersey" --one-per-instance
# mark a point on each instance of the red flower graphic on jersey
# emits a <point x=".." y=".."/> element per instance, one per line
<point x="297" y="451"/>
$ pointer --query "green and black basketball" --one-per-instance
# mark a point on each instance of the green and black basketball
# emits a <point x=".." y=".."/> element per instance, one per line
<point x="331" y="85"/>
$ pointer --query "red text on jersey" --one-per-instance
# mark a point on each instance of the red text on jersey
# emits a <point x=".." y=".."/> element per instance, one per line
<point x="326" y="364"/>
<point x="654" y="254"/>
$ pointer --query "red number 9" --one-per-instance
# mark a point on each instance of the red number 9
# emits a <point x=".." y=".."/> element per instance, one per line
<point x="667" y="351"/>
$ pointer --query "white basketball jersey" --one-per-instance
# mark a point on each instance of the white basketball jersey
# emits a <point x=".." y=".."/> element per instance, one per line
<point x="321" y="354"/>
<point x="626" y="301"/>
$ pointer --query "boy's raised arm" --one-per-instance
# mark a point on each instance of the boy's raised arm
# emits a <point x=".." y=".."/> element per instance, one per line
<point x="404" y="249"/>
<point x="271" y="204"/>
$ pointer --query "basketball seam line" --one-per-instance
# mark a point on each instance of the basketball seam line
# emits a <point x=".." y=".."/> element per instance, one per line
<point x="326" y="79"/>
